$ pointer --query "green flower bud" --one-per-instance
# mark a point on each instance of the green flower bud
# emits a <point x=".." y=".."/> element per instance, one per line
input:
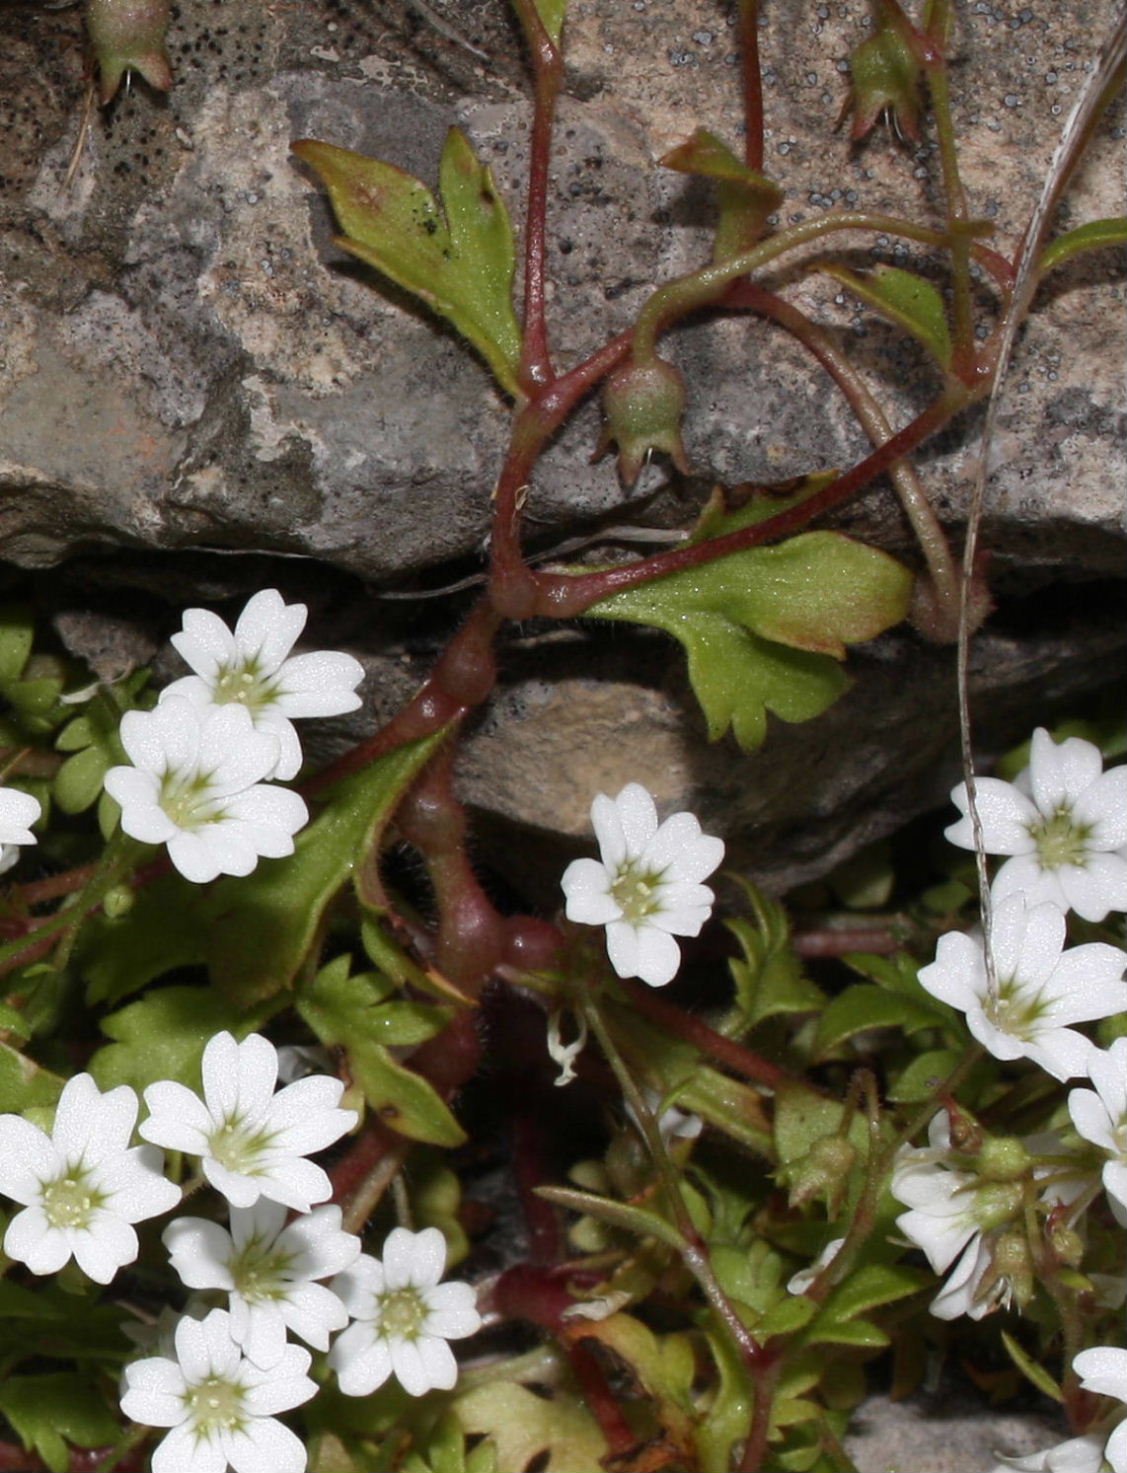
<point x="823" y="1172"/>
<point x="1066" y="1243"/>
<point x="1012" y="1262"/>
<point x="996" y="1203"/>
<point x="643" y="403"/>
<point x="119" y="901"/>
<point x="128" y="36"/>
<point x="1003" y="1158"/>
<point x="886" y="79"/>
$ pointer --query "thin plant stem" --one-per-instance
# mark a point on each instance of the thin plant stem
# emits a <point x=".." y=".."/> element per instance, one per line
<point x="547" y="68"/>
<point x="914" y="499"/>
<point x="700" y="288"/>
<point x="694" y="1251"/>
<point x="752" y="85"/>
<point x="571" y="595"/>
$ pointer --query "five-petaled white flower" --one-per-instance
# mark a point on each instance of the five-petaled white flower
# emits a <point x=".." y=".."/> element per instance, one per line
<point x="647" y="888"/>
<point x="220" y="1406"/>
<point x="83" y="1186"/>
<point x="251" y="1142"/>
<point x="197" y="786"/>
<point x="1100" y="1116"/>
<point x="1041" y="988"/>
<point x="403" y="1317"/>
<point x="1104" y="1371"/>
<point x="1062" y="822"/>
<point x="253" y="667"/>
<point x="269" y="1271"/>
<point x="18" y="811"/>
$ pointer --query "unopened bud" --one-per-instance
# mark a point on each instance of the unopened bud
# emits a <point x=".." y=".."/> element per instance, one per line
<point x="1011" y="1266"/>
<point x="128" y="36"/>
<point x="119" y="901"/>
<point x="823" y="1172"/>
<point x="1003" y="1158"/>
<point x="643" y="403"/>
<point x="996" y="1203"/>
<point x="1066" y="1244"/>
<point x="886" y="79"/>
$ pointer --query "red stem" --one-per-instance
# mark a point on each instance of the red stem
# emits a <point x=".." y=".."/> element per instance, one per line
<point x="724" y="1050"/>
<point x="563" y="596"/>
<point x="752" y="85"/>
<point x="547" y="70"/>
<point x="463" y="677"/>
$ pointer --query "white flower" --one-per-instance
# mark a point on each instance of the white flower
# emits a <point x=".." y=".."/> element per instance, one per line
<point x="1100" y="1116"/>
<point x="647" y="888"/>
<point x="799" y="1283"/>
<point x="269" y="1271"/>
<point x="1077" y="1455"/>
<point x="403" y="1317"/>
<point x="251" y="667"/>
<point x="82" y="1187"/>
<point x="18" y="811"/>
<point x="952" y="1212"/>
<point x="1104" y="1371"/>
<point x="1062" y="821"/>
<point x="1041" y="987"/>
<point x="196" y="784"/>
<point x="219" y="1405"/>
<point x="251" y="1142"/>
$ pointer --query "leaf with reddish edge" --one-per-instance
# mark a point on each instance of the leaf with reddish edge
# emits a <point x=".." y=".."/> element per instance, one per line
<point x="457" y="256"/>
<point x="745" y="197"/>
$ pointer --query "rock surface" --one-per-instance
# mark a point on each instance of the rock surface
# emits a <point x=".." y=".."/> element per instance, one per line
<point x="189" y="363"/>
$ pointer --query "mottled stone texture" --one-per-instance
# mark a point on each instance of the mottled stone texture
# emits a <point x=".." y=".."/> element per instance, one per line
<point x="187" y="362"/>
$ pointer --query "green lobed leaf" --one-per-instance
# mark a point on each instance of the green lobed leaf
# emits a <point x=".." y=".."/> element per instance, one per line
<point x="1093" y="236"/>
<point x="746" y="198"/>
<point x="162" y="1036"/>
<point x="867" y="1006"/>
<point x="770" y="979"/>
<point x="764" y="628"/>
<point x="261" y="928"/>
<point x="556" y="1436"/>
<point x="352" y="1013"/>
<point x="50" y="1410"/>
<point x="458" y="256"/>
<point x="910" y="301"/>
<point x="25" y="1084"/>
<point x="804" y="1117"/>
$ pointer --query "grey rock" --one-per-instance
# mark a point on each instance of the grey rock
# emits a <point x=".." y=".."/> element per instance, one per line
<point x="189" y="363"/>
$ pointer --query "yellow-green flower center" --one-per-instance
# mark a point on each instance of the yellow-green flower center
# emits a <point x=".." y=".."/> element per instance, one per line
<point x="1014" y="1011"/>
<point x="240" y="1148"/>
<point x="1061" y="840"/>
<point x="243" y="682"/>
<point x="635" y="891"/>
<point x="259" y="1271"/>
<point x="187" y="799"/>
<point x="403" y="1313"/>
<point x="70" y="1202"/>
<point x="215" y="1404"/>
